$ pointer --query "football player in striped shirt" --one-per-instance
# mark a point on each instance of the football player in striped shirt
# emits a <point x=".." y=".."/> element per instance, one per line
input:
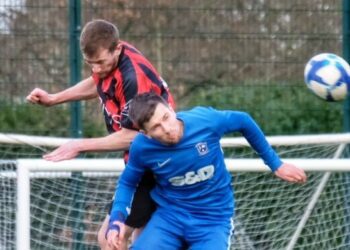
<point x="119" y="72"/>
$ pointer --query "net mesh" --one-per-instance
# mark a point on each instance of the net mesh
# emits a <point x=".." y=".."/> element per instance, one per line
<point x="66" y="209"/>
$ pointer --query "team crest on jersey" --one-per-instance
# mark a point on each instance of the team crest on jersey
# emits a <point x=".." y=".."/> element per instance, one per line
<point x="202" y="148"/>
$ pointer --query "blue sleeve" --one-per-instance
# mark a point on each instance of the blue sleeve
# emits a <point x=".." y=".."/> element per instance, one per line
<point x="125" y="189"/>
<point x="235" y="121"/>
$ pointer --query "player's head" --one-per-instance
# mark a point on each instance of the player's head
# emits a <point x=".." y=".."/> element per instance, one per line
<point x="98" y="34"/>
<point x="99" y="43"/>
<point x="155" y="118"/>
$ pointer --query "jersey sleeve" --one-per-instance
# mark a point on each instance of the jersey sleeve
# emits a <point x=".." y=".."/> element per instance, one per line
<point x="126" y="187"/>
<point x="130" y="90"/>
<point x="133" y="85"/>
<point x="235" y="121"/>
<point x="144" y="82"/>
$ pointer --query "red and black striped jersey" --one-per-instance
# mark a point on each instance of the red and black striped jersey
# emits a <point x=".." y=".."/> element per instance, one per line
<point x="133" y="75"/>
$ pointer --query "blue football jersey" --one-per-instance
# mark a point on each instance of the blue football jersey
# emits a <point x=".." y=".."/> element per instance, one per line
<point x="191" y="176"/>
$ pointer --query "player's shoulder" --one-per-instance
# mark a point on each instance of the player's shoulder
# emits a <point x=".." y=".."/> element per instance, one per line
<point x="211" y="115"/>
<point x="140" y="137"/>
<point x="139" y="140"/>
<point x="198" y="116"/>
<point x="129" y="47"/>
<point x="199" y="111"/>
<point x="209" y="111"/>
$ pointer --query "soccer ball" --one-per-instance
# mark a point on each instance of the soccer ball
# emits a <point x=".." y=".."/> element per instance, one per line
<point x="328" y="76"/>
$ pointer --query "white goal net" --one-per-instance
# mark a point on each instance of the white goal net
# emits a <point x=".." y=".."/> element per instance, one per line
<point x="45" y="205"/>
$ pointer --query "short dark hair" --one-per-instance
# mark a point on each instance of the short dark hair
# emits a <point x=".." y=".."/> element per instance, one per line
<point x="142" y="108"/>
<point x="98" y="34"/>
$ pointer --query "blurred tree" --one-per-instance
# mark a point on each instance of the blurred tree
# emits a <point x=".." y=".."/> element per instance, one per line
<point x="194" y="46"/>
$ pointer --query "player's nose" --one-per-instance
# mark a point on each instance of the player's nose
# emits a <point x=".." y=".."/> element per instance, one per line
<point x="166" y="128"/>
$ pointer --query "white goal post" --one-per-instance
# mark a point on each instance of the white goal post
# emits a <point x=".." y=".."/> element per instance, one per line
<point x="325" y="159"/>
<point x="8" y="138"/>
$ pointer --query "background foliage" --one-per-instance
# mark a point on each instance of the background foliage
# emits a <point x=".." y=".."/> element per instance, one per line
<point x="246" y="55"/>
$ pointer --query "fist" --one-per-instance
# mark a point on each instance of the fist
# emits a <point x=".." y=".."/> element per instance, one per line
<point x="40" y="96"/>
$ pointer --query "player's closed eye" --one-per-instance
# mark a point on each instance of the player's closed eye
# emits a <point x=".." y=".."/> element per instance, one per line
<point x="165" y="117"/>
<point x="154" y="128"/>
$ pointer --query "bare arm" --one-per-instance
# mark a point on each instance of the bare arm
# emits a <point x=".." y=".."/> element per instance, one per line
<point x="117" y="141"/>
<point x="83" y="90"/>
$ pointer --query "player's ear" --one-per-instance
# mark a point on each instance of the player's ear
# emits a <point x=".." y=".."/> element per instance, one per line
<point x="118" y="49"/>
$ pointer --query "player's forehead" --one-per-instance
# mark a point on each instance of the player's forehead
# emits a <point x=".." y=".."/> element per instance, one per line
<point x="100" y="55"/>
<point x="160" y="111"/>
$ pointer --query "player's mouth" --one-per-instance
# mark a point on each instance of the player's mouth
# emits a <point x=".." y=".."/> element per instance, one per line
<point x="173" y="137"/>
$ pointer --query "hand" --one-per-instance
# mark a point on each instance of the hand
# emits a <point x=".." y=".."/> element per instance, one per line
<point x="116" y="236"/>
<point x="40" y="96"/>
<point x="291" y="173"/>
<point x="66" y="151"/>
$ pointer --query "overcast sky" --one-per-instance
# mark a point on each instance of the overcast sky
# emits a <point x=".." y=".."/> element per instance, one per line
<point x="5" y="6"/>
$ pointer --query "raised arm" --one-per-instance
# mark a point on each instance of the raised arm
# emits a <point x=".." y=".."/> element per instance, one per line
<point x="116" y="141"/>
<point x="257" y="140"/>
<point x="83" y="90"/>
<point x="242" y="122"/>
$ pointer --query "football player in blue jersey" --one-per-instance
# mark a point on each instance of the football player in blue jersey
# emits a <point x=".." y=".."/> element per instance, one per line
<point x="193" y="187"/>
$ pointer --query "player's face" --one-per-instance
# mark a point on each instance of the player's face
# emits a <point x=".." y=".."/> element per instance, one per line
<point x="103" y="62"/>
<point x="164" y="126"/>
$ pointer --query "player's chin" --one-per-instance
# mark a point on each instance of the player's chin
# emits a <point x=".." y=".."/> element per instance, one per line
<point x="102" y="75"/>
<point x="173" y="141"/>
